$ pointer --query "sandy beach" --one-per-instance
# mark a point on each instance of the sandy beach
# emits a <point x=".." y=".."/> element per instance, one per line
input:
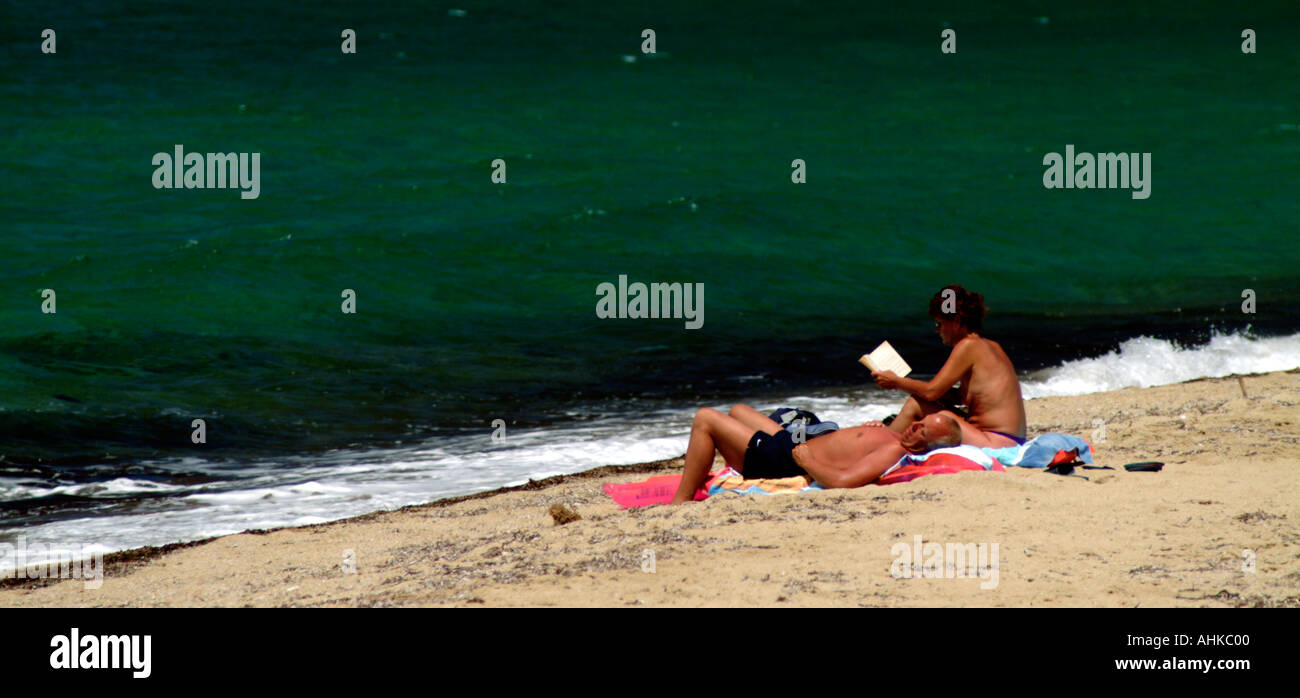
<point x="1228" y="498"/>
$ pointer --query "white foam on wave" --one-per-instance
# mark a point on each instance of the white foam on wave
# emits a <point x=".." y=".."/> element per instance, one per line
<point x="340" y="484"/>
<point x="15" y="488"/>
<point x="1144" y="362"/>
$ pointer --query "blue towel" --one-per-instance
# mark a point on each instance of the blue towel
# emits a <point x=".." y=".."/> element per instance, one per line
<point x="1039" y="451"/>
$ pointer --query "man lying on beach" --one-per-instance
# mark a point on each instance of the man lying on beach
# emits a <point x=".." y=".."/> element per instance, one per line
<point x="995" y="414"/>
<point x="759" y="448"/>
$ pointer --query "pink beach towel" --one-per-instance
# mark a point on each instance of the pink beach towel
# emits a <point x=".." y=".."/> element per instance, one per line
<point x="661" y="488"/>
<point x="656" y="490"/>
<point x="936" y="464"/>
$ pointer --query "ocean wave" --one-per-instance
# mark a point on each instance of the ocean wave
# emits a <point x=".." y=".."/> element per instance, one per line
<point x="1143" y="362"/>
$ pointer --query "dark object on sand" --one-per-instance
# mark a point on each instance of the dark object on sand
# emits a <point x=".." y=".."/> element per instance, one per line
<point x="1148" y="466"/>
<point x="785" y="416"/>
<point x="803" y="422"/>
<point x="1066" y="469"/>
<point x="563" y="514"/>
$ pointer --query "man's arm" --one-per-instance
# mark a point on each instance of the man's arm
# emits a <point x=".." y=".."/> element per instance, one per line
<point x="959" y="361"/>
<point x="833" y="475"/>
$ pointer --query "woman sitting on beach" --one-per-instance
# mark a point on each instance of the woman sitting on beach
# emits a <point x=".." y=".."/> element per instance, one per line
<point x="995" y="411"/>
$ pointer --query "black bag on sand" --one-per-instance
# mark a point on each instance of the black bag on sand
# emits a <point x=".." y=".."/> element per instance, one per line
<point x="785" y="416"/>
<point x="793" y="418"/>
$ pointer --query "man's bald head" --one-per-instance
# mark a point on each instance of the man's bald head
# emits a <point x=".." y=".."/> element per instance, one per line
<point x="943" y="432"/>
<point x="934" y="431"/>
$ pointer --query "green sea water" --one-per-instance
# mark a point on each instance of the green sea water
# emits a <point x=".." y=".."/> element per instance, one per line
<point x="476" y="299"/>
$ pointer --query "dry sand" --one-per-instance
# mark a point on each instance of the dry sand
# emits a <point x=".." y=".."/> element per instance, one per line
<point x="1179" y="537"/>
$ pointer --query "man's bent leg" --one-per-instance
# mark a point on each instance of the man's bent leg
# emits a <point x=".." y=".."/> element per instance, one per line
<point x="711" y="430"/>
<point x="754" y="419"/>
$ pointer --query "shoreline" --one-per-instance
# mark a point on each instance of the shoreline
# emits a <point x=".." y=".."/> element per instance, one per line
<point x="122" y="561"/>
<point x="501" y="547"/>
<point x="352" y="482"/>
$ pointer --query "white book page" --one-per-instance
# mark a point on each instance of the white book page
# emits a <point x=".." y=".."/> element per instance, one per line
<point x="884" y="358"/>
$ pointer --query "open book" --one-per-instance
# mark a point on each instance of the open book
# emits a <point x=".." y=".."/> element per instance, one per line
<point x="884" y="358"/>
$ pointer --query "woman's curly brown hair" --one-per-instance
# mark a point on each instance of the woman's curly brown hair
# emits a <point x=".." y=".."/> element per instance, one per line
<point x="968" y="304"/>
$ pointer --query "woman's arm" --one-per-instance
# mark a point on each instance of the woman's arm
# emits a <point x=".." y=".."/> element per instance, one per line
<point x="959" y="362"/>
